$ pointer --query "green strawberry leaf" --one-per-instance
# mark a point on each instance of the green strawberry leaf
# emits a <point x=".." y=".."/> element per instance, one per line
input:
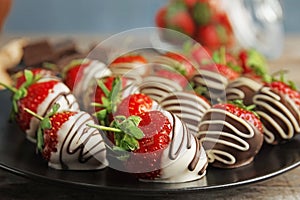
<point x="109" y="101"/>
<point x="40" y="139"/>
<point x="103" y="88"/>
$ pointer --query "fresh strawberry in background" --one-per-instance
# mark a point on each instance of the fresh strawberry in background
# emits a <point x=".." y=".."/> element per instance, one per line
<point x="213" y="36"/>
<point x="203" y="20"/>
<point x="178" y="18"/>
<point x="253" y="62"/>
<point x="160" y="17"/>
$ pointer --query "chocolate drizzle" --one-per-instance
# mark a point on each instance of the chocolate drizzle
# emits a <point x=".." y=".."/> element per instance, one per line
<point x="158" y="87"/>
<point x="279" y="114"/>
<point x="185" y="138"/>
<point x="228" y="140"/>
<point x="187" y="106"/>
<point x="194" y="162"/>
<point x="78" y="135"/>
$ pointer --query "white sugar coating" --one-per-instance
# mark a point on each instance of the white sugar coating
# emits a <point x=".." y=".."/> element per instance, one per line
<point x="79" y="146"/>
<point x="60" y="94"/>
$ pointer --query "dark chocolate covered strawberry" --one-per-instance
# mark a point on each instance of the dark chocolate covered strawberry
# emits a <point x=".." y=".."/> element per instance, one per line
<point x="231" y="133"/>
<point x="278" y="105"/>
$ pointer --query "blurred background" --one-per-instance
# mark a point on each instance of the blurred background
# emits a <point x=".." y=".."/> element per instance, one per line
<point x="101" y="16"/>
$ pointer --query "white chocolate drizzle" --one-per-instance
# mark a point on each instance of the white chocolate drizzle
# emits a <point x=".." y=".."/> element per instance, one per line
<point x="273" y="107"/>
<point x="158" y="87"/>
<point x="234" y="139"/>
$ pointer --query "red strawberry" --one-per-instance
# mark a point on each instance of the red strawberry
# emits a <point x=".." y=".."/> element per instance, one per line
<point x="160" y="17"/>
<point x="146" y="136"/>
<point x="253" y="62"/>
<point x="32" y="94"/>
<point x="240" y="110"/>
<point x="36" y="94"/>
<point x="224" y="70"/>
<point x="134" y="104"/>
<point x="184" y="66"/>
<point x="173" y="75"/>
<point x="66" y="140"/>
<point x="213" y="36"/>
<point x="20" y="77"/>
<point x="190" y="3"/>
<point x="50" y="139"/>
<point x="179" y="19"/>
<point x="146" y="159"/>
<point x="73" y="72"/>
<point x="286" y="90"/>
<point x="130" y="58"/>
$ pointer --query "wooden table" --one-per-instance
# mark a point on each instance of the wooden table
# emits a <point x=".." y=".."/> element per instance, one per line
<point x="285" y="186"/>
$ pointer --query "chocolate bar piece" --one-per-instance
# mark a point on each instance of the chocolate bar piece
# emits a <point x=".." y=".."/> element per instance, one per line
<point x="38" y="52"/>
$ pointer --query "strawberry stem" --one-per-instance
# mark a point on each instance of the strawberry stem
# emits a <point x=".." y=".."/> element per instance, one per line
<point x="12" y="89"/>
<point x="223" y="55"/>
<point x="104" y="128"/>
<point x="34" y="114"/>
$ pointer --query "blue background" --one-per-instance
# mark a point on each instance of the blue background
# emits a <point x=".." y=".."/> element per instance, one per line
<point x="101" y="16"/>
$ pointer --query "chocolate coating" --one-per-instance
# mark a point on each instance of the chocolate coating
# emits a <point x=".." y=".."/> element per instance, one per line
<point x="243" y="88"/>
<point x="229" y="141"/>
<point x="279" y="114"/>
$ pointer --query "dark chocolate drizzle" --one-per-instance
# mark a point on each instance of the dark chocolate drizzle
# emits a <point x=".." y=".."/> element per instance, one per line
<point x="81" y="144"/>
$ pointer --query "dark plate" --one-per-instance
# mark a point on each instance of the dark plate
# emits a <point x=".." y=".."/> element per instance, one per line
<point x="17" y="155"/>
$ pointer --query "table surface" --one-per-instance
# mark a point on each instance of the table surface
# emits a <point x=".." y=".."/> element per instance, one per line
<point x="284" y="186"/>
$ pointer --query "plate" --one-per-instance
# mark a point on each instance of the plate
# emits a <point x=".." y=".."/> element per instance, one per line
<point x="17" y="155"/>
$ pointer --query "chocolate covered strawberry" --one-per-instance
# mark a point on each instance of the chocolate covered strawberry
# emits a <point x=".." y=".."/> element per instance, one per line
<point x="215" y="77"/>
<point x="79" y="74"/>
<point x="231" y="133"/>
<point x="130" y="65"/>
<point x="159" y="147"/>
<point x="19" y="78"/>
<point x="176" y="61"/>
<point x="162" y="81"/>
<point x="108" y="93"/>
<point x="39" y="95"/>
<point x="278" y="105"/>
<point x="66" y="142"/>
